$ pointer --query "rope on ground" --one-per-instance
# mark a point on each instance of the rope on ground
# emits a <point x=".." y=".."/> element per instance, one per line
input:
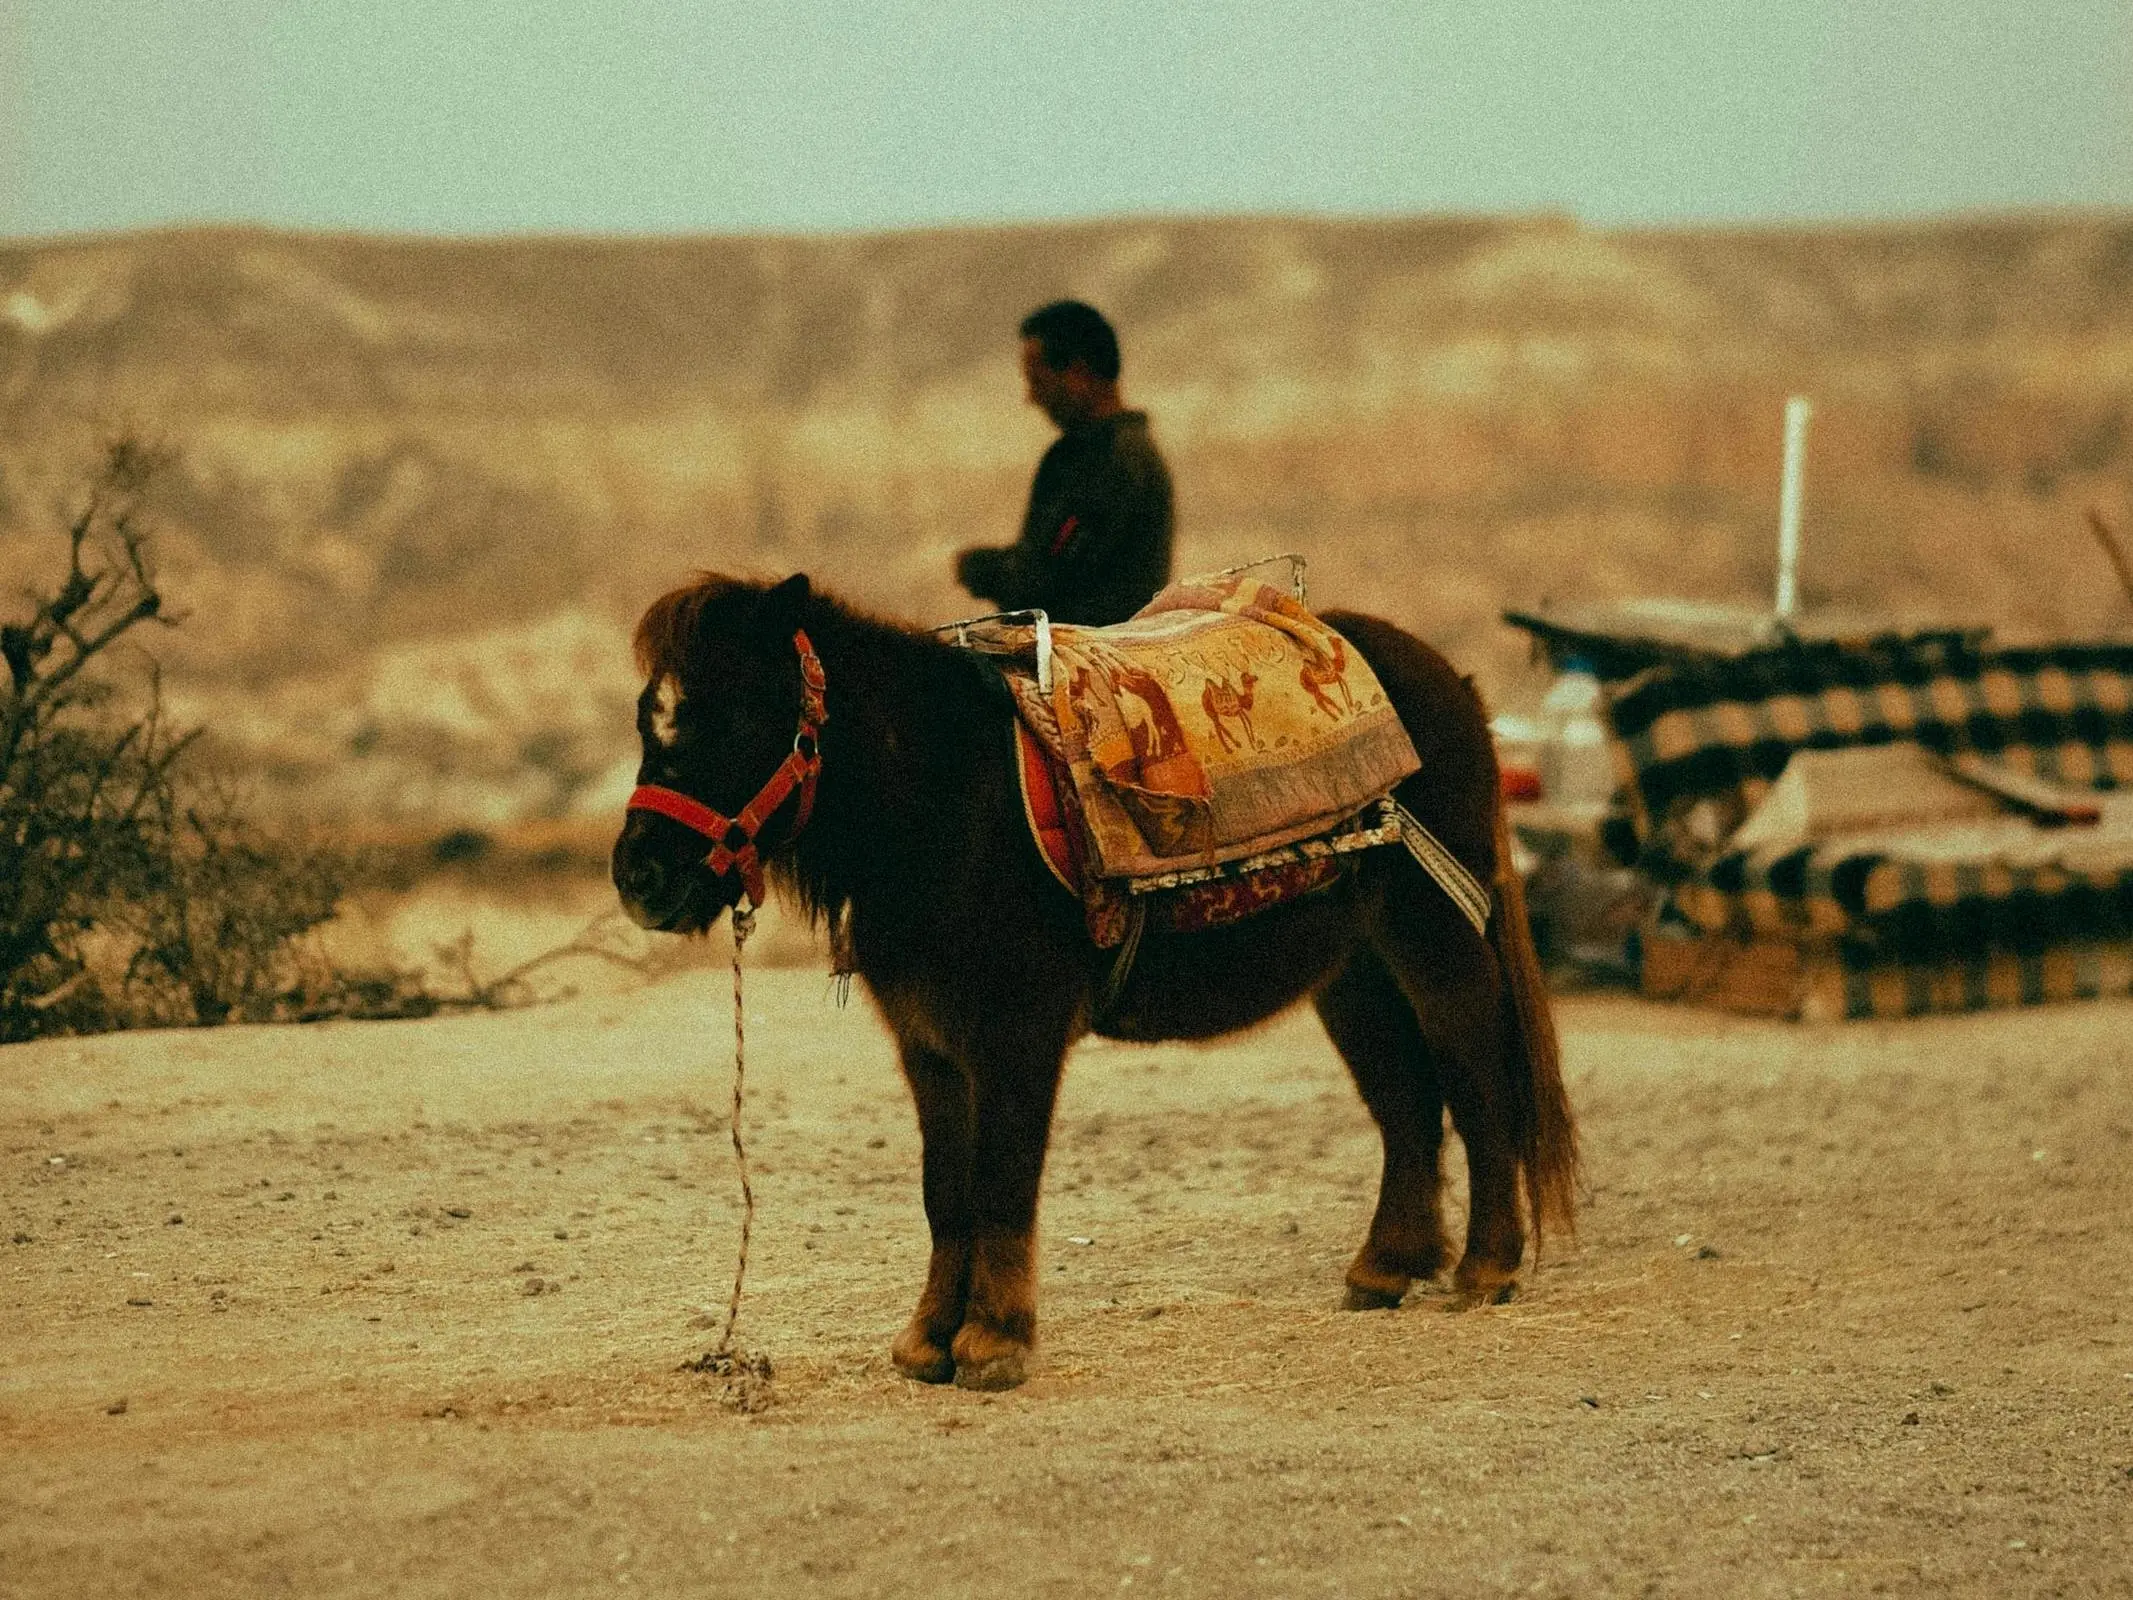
<point x="747" y="1376"/>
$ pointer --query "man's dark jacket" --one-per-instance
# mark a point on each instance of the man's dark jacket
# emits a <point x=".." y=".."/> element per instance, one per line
<point x="1096" y="540"/>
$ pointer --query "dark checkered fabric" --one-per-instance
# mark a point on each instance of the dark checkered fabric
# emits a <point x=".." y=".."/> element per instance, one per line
<point x="1826" y="982"/>
<point x="1884" y="904"/>
<point x="1724" y="730"/>
<point x="1986" y="981"/>
<point x="1713" y="737"/>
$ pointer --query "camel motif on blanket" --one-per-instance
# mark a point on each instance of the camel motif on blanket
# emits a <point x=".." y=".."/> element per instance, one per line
<point x="1320" y="671"/>
<point x="1157" y="777"/>
<point x="1161" y="736"/>
<point x="1155" y="735"/>
<point x="1221" y="699"/>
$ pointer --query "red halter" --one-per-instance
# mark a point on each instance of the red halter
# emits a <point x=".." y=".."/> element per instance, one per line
<point x="733" y="838"/>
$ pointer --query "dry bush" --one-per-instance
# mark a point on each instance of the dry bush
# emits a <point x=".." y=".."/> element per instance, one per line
<point x="134" y="890"/>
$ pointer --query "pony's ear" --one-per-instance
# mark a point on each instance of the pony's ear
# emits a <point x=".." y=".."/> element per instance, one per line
<point x="784" y="603"/>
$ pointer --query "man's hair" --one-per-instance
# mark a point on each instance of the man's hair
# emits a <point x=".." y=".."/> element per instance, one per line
<point x="1069" y="331"/>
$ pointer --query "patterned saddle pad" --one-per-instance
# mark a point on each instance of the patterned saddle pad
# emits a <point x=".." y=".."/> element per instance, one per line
<point x="1221" y="722"/>
<point x="1186" y="900"/>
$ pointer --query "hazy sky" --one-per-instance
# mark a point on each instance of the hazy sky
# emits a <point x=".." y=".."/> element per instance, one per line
<point x="478" y="116"/>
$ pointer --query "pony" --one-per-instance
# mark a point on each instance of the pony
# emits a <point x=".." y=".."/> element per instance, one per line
<point x="868" y="769"/>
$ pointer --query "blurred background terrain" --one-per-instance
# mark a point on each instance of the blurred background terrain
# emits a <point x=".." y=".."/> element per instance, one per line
<point x="424" y="486"/>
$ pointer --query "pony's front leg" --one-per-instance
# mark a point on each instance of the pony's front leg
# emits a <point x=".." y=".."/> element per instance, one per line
<point x="942" y="1093"/>
<point x="1014" y="1122"/>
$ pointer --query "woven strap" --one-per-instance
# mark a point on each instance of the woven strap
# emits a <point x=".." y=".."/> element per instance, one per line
<point x="1467" y="891"/>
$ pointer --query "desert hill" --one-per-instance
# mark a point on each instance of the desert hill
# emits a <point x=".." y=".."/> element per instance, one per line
<point x="464" y="465"/>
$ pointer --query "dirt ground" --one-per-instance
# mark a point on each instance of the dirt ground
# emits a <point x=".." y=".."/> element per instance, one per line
<point x="401" y="1309"/>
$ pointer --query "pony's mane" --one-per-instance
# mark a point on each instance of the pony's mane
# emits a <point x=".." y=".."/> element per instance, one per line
<point x="664" y="631"/>
<point x="668" y="626"/>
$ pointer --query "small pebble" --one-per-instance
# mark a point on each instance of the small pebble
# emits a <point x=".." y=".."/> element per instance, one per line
<point x="457" y="1211"/>
<point x="117" y="1408"/>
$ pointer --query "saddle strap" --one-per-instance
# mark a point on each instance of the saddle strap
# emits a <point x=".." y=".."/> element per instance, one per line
<point x="1466" y="890"/>
<point x="1111" y="998"/>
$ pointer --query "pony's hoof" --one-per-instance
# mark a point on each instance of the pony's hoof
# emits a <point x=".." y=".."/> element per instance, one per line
<point x="1005" y="1371"/>
<point x="1501" y="1294"/>
<point x="1359" y="1298"/>
<point x="989" y="1361"/>
<point x="918" y="1357"/>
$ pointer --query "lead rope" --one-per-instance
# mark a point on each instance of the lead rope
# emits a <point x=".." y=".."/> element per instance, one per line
<point x="747" y="1385"/>
<point x="743" y="926"/>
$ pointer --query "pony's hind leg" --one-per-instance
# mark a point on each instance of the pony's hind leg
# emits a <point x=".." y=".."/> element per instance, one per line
<point x="1451" y="979"/>
<point x="946" y="1112"/>
<point x="1374" y="1029"/>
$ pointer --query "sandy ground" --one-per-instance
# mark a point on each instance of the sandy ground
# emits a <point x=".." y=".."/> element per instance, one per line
<point x="401" y="1308"/>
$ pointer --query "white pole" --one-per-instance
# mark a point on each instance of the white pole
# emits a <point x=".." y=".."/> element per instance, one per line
<point x="1797" y="411"/>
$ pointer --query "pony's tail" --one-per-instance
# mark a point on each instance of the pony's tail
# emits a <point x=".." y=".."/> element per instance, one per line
<point x="1548" y="1137"/>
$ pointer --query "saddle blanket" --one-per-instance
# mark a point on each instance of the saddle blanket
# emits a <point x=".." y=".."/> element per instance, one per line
<point x="1191" y="899"/>
<point x="1221" y="722"/>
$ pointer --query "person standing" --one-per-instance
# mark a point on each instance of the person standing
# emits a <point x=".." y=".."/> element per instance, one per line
<point x="1096" y="539"/>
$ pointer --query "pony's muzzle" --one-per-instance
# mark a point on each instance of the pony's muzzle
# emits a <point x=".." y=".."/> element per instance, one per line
<point x="654" y="891"/>
<point x="641" y="884"/>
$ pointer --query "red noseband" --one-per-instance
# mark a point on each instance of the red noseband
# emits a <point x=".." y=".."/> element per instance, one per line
<point x="733" y="839"/>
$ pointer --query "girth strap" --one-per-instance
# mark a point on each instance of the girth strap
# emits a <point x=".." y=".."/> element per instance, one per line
<point x="1467" y="891"/>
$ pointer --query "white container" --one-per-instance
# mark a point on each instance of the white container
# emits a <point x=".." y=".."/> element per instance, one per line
<point x="1576" y="769"/>
<point x="1520" y="742"/>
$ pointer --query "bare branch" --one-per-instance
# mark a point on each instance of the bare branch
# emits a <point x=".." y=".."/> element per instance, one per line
<point x="87" y="646"/>
<point x="2107" y="536"/>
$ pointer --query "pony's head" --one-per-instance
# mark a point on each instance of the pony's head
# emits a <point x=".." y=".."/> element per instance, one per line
<point x="727" y="721"/>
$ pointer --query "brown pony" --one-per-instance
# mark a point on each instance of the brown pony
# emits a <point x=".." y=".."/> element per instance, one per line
<point x="983" y="969"/>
